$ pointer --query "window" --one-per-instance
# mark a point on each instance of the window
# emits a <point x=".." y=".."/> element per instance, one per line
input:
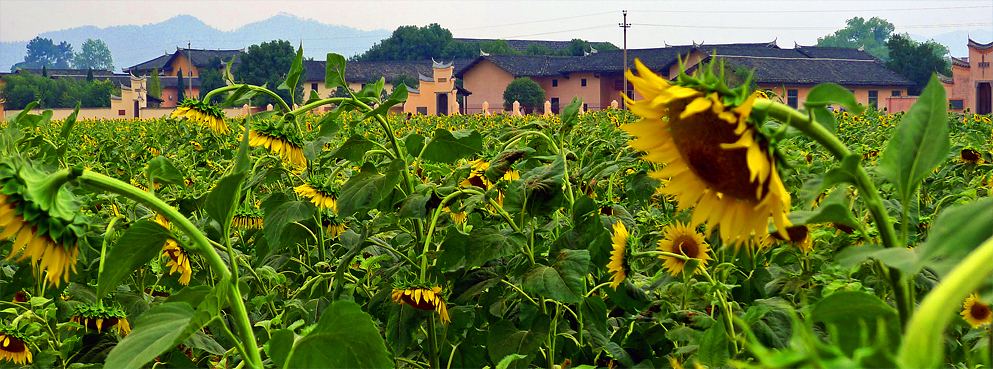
<point x="619" y="85"/>
<point x="956" y="104"/>
<point x="582" y="82"/>
<point x="586" y="107"/>
<point x="874" y="98"/>
<point x="896" y="93"/>
<point x="313" y="86"/>
<point x="422" y="110"/>
<point x="120" y="112"/>
<point x="792" y="97"/>
<point x="442" y="80"/>
<point x="555" y="83"/>
<point x="170" y="97"/>
<point x="555" y="105"/>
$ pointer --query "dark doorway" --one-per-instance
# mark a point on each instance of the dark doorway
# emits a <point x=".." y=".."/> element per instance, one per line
<point x="136" y="109"/>
<point x="984" y="99"/>
<point x="442" y="104"/>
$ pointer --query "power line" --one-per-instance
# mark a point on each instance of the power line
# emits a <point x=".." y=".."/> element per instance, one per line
<point x="530" y="22"/>
<point x="951" y="25"/>
<point x="816" y="11"/>
<point x="562" y="31"/>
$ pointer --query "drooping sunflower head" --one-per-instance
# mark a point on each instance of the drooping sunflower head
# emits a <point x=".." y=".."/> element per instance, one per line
<point x="334" y="225"/>
<point x="715" y="157"/>
<point x="618" y="265"/>
<point x="458" y="217"/>
<point x="323" y="196"/>
<point x="283" y="141"/>
<point x="42" y="217"/>
<point x="14" y="346"/>
<point x="179" y="258"/>
<point x="247" y="219"/>
<point x="799" y="236"/>
<point x="970" y="156"/>
<point x="976" y="312"/>
<point x="201" y="112"/>
<point x="100" y="318"/>
<point x="422" y="298"/>
<point x="679" y="239"/>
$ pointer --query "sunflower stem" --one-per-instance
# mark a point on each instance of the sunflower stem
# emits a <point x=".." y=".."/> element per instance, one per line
<point x="105" y="183"/>
<point x="431" y="227"/>
<point x="433" y="343"/>
<point x="887" y="233"/>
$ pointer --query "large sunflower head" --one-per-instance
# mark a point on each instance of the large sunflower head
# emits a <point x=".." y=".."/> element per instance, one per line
<point x="282" y="141"/>
<point x="203" y="113"/>
<point x="618" y="265"/>
<point x="715" y="157"/>
<point x="422" y="298"/>
<point x="799" y="236"/>
<point x="42" y="217"/>
<point x="976" y="312"/>
<point x="459" y="217"/>
<point x="679" y="239"/>
<point x="14" y="346"/>
<point x="334" y="225"/>
<point x="248" y="219"/>
<point x="100" y="318"/>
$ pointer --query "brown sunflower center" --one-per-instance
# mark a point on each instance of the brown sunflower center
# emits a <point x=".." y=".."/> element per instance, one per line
<point x="980" y="311"/>
<point x="698" y="139"/>
<point x="11" y="344"/>
<point x="687" y="246"/>
<point x="970" y="155"/>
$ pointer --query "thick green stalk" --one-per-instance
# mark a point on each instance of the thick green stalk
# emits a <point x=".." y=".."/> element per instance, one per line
<point x="203" y="247"/>
<point x="433" y="343"/>
<point x="887" y="233"/>
<point x="923" y="345"/>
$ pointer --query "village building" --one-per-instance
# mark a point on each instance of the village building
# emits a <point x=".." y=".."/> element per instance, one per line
<point x="190" y="62"/>
<point x="969" y="86"/>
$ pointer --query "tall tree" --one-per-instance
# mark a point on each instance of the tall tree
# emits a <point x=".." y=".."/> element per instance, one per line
<point x="94" y="54"/>
<point x="410" y="43"/>
<point x="525" y="91"/>
<point x="917" y="61"/>
<point x="180" y="86"/>
<point x="89" y="75"/>
<point x="268" y="63"/>
<point x="212" y="78"/>
<point x="154" y="84"/>
<point x="870" y="35"/>
<point x="44" y="52"/>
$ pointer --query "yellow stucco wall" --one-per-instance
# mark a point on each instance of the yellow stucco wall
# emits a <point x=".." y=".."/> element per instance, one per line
<point x="487" y="82"/>
<point x="861" y="94"/>
<point x="428" y="93"/>
<point x="181" y="62"/>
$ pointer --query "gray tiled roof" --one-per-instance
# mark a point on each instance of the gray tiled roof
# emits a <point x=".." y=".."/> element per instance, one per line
<point x="370" y="71"/>
<point x="173" y="81"/>
<point x="808" y="71"/>
<point x="80" y="74"/>
<point x="148" y="66"/>
<point x="978" y="46"/>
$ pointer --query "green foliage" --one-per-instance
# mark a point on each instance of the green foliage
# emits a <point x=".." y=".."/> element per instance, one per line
<point x="345" y="337"/>
<point x="870" y="35"/>
<point x="180" y="85"/>
<point x="43" y="52"/>
<point x="211" y="77"/>
<point x="22" y="88"/>
<point x="917" y="61"/>
<point x="94" y="55"/>
<point x="410" y="43"/>
<point x="268" y="64"/>
<point x="525" y="91"/>
<point x="154" y="84"/>
<point x="403" y="79"/>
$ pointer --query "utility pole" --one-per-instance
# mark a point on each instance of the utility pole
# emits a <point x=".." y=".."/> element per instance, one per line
<point x="625" y="25"/>
<point x="189" y="63"/>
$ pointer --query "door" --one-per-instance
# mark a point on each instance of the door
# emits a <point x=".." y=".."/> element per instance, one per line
<point x="136" y="108"/>
<point x="984" y="99"/>
<point x="442" y="104"/>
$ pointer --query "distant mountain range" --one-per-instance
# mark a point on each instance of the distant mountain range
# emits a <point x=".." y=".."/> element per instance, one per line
<point x="131" y="45"/>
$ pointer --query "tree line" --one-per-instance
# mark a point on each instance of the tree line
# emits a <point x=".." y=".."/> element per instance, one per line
<point x="45" y="53"/>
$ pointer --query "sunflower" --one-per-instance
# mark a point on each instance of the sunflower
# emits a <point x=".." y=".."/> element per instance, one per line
<point x="976" y="312"/>
<point x="715" y="158"/>
<point x="970" y="156"/>
<point x="42" y="218"/>
<point x="287" y="146"/>
<point x="99" y="318"/>
<point x="247" y="221"/>
<point x="13" y="348"/>
<point x="320" y="196"/>
<point x="423" y="299"/>
<point x="679" y="239"/>
<point x="478" y="178"/>
<point x="202" y="112"/>
<point x="459" y="217"/>
<point x="179" y="259"/>
<point x="799" y="237"/>
<point x="20" y="296"/>
<point x="618" y="265"/>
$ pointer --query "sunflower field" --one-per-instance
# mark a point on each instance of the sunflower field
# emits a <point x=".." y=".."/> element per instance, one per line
<point x="705" y="226"/>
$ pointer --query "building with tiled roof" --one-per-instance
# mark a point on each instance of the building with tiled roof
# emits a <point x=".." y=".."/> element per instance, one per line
<point x="598" y="77"/>
<point x="969" y="85"/>
<point x="522" y="45"/>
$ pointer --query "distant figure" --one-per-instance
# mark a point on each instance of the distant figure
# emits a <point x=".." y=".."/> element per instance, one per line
<point x="409" y="115"/>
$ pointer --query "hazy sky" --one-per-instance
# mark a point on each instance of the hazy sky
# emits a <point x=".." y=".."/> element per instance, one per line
<point x="653" y="22"/>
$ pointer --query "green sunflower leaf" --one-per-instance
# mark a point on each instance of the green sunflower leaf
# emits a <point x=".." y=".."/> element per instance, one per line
<point x="334" y="75"/>
<point x="919" y="143"/>
<point x="353" y="149"/>
<point x="366" y="189"/>
<point x="563" y="281"/>
<point x="713" y="350"/>
<point x="449" y="147"/>
<point x="160" y="169"/>
<point x="155" y="332"/>
<point x="345" y="337"/>
<point x="141" y="243"/>
<point x="505" y="339"/>
<point x="293" y="76"/>
<point x="277" y="220"/>
<point x="850" y="314"/>
<point x="826" y="94"/>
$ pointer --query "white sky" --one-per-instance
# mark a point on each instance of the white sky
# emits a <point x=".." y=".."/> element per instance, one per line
<point x="653" y="22"/>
